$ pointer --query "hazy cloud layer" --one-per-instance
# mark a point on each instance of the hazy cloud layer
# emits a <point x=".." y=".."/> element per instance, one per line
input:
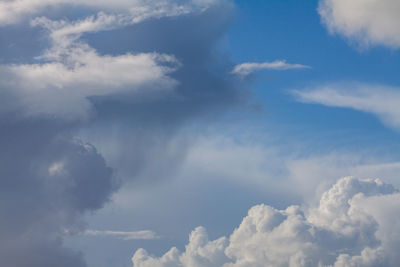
<point x="245" y="69"/>
<point x="379" y="100"/>
<point x="373" y="22"/>
<point x="351" y="226"/>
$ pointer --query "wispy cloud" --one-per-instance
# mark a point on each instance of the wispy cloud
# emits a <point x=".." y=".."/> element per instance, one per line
<point x="138" y="235"/>
<point x="379" y="100"/>
<point x="14" y="11"/>
<point x="247" y="68"/>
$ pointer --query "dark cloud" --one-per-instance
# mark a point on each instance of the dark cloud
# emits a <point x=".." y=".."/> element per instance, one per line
<point x="142" y="126"/>
<point x="49" y="179"/>
<point x="205" y="84"/>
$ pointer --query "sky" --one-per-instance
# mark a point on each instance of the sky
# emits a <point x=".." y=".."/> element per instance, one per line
<point x="199" y="133"/>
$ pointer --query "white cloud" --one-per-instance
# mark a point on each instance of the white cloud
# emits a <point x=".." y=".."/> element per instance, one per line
<point x="61" y="87"/>
<point x="137" y="235"/>
<point x="72" y="71"/>
<point x="353" y="225"/>
<point x="364" y="21"/>
<point x="382" y="101"/>
<point x="12" y="11"/>
<point x="245" y="69"/>
<point x="312" y="175"/>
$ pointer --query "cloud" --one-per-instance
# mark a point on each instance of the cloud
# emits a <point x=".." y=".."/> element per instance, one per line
<point x="138" y="235"/>
<point x="71" y="71"/>
<point x="351" y="226"/>
<point x="245" y="69"/>
<point x="62" y="87"/>
<point x="365" y="22"/>
<point x="15" y="10"/>
<point x="135" y="90"/>
<point x="51" y="179"/>
<point x="379" y="100"/>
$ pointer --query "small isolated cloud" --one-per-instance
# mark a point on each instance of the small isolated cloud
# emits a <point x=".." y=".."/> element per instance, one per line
<point x="353" y="225"/>
<point x="382" y="101"/>
<point x="138" y="235"/>
<point x="245" y="69"/>
<point x="366" y="22"/>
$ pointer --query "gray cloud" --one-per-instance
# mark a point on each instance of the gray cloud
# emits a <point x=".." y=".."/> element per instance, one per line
<point x="136" y="91"/>
<point x="48" y="180"/>
<point x="345" y="229"/>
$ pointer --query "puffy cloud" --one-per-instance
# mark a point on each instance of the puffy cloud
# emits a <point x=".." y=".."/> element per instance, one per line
<point x="366" y="22"/>
<point x="245" y="69"/>
<point x="379" y="100"/>
<point x="351" y="226"/>
<point x="61" y="88"/>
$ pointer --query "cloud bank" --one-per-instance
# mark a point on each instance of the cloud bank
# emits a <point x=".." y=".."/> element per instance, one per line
<point x="353" y="225"/>
<point x="245" y="69"/>
<point x="375" y="22"/>
<point x="379" y="100"/>
<point x="136" y="93"/>
<point x="50" y="178"/>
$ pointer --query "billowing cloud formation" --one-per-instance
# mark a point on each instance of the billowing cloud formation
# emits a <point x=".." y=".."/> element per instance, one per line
<point x="374" y="22"/>
<point x="48" y="181"/>
<point x="245" y="69"/>
<point x="351" y="226"/>
<point x="50" y="178"/>
<point x="382" y="101"/>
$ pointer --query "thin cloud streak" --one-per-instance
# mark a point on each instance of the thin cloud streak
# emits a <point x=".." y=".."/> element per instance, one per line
<point x="247" y="68"/>
<point x="137" y="235"/>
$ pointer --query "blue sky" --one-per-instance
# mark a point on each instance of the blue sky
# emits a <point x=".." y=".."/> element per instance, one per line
<point x="292" y="30"/>
<point x="257" y="129"/>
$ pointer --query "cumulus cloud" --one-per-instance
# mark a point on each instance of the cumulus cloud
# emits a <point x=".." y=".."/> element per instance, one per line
<point x="49" y="179"/>
<point x="245" y="69"/>
<point x="351" y="226"/>
<point x="62" y="87"/>
<point x="379" y="100"/>
<point x="367" y="22"/>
